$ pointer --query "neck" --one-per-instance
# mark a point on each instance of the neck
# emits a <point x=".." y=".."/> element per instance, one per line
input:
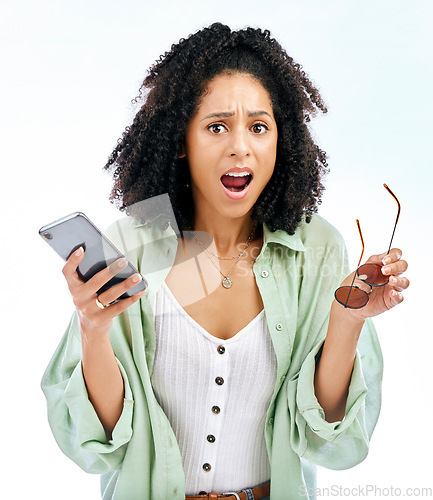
<point x="229" y="235"/>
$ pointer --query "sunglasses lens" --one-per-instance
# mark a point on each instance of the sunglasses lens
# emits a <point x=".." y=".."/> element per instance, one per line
<point x="372" y="275"/>
<point x="357" y="297"/>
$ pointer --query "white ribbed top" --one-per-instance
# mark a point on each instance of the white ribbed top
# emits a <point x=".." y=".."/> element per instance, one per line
<point x="188" y="360"/>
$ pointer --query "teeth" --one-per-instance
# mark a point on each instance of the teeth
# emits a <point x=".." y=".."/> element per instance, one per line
<point x="238" y="174"/>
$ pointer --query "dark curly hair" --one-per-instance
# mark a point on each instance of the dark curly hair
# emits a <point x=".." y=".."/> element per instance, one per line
<point x="145" y="161"/>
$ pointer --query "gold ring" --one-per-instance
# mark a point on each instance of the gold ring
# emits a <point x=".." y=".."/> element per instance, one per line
<point x="100" y="305"/>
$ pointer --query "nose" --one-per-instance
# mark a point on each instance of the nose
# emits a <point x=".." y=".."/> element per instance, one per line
<point x="239" y="143"/>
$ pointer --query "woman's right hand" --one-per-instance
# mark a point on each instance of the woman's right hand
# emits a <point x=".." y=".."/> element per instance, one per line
<point x="93" y="319"/>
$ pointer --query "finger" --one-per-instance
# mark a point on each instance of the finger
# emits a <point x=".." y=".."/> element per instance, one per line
<point x="377" y="259"/>
<point x="114" y="310"/>
<point x="396" y="298"/>
<point x="396" y="268"/>
<point x="399" y="283"/>
<point x="102" y="277"/>
<point x="70" y="268"/>
<point x="118" y="290"/>
<point x="393" y="256"/>
<point x="386" y="257"/>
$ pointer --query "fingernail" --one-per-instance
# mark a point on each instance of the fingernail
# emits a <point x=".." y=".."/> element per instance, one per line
<point x="136" y="278"/>
<point x="79" y="252"/>
<point x="122" y="263"/>
<point x="393" y="280"/>
<point x="386" y="270"/>
<point x="386" y="260"/>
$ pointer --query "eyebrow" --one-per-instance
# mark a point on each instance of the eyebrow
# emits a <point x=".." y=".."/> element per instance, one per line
<point x="228" y="114"/>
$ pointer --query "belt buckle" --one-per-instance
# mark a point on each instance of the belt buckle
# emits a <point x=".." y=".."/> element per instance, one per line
<point x="232" y="493"/>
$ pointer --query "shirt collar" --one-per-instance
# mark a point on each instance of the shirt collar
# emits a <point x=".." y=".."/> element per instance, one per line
<point x="279" y="236"/>
<point x="292" y="241"/>
<point x="159" y="224"/>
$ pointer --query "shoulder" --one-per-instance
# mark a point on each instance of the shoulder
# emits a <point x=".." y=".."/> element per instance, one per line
<point x="319" y="232"/>
<point x="121" y="232"/>
<point x="324" y="255"/>
<point x="123" y="224"/>
<point x="128" y="234"/>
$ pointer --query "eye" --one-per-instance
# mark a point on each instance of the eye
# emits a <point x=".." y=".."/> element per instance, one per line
<point x="259" y="128"/>
<point x="216" y="128"/>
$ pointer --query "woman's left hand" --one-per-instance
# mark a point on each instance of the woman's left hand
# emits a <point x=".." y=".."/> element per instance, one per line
<point x="384" y="297"/>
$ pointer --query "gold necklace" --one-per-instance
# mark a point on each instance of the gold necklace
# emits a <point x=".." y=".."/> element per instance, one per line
<point x="227" y="282"/>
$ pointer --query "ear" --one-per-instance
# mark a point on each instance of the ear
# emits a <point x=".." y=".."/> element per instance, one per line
<point x="182" y="153"/>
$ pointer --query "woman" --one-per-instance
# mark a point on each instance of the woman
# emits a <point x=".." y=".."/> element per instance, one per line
<point x="235" y="366"/>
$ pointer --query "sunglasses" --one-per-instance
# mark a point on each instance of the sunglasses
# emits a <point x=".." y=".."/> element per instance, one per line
<point x="371" y="274"/>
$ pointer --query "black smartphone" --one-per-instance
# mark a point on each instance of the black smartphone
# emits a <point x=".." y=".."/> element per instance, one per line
<point x="69" y="233"/>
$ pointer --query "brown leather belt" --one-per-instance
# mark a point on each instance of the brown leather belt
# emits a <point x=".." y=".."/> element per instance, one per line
<point x="259" y="492"/>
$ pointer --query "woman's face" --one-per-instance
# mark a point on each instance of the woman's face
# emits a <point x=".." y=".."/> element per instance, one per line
<point x="231" y="146"/>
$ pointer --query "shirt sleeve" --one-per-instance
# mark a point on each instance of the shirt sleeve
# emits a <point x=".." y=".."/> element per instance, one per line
<point x="341" y="444"/>
<point x="73" y="420"/>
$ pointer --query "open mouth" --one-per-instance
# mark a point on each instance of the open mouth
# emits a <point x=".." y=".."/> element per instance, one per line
<point x="236" y="182"/>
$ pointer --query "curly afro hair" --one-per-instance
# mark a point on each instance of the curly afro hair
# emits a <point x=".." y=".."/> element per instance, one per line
<point x="146" y="163"/>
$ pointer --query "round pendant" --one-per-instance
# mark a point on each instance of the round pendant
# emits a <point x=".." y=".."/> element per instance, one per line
<point x="227" y="283"/>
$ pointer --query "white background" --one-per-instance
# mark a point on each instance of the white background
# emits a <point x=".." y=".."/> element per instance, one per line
<point x="68" y="73"/>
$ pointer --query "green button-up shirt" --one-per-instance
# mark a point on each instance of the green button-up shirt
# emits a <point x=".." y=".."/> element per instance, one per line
<point x="296" y="276"/>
